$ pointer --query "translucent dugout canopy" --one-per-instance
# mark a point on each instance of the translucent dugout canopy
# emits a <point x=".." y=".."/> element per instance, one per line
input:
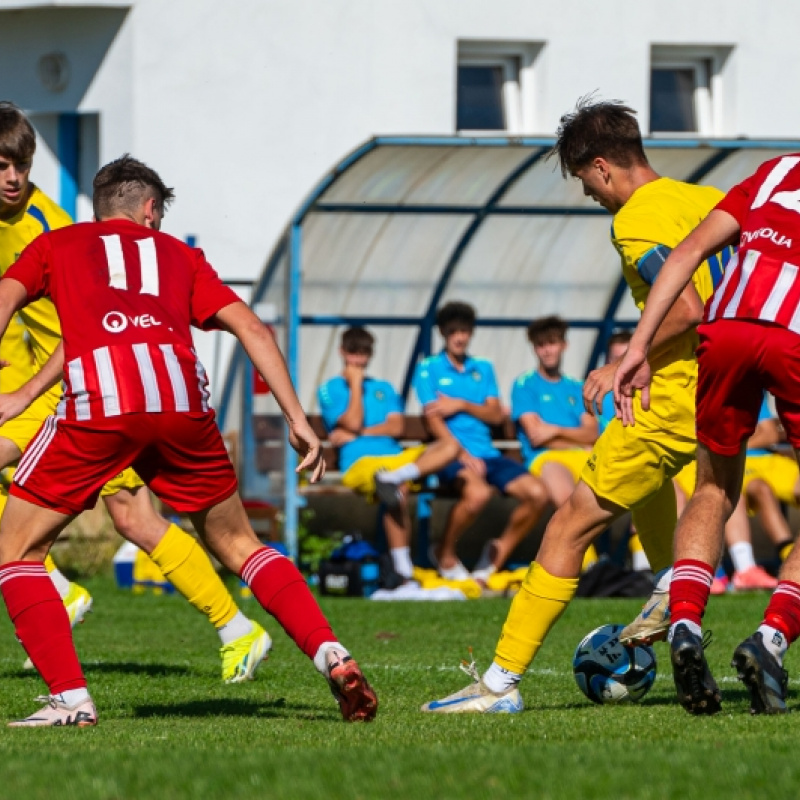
<point x="403" y="225"/>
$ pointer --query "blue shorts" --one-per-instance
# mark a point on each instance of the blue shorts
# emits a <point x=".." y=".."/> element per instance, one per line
<point x="500" y="471"/>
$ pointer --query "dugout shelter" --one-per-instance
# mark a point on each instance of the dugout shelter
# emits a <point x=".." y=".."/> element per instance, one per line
<point x="404" y="224"/>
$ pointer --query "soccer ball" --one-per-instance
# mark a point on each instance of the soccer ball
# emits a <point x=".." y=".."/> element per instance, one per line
<point x="609" y="672"/>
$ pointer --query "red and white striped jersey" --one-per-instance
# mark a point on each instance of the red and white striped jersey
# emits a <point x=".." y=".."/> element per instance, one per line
<point x="762" y="281"/>
<point x="127" y="297"/>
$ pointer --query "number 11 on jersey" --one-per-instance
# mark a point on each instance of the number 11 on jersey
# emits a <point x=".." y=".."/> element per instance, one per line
<point x="117" y="270"/>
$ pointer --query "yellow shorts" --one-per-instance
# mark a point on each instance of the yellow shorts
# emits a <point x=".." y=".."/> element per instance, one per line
<point x="360" y="477"/>
<point x="127" y="479"/>
<point x="573" y="460"/>
<point x="628" y="465"/>
<point x="687" y="479"/>
<point x="779" y="472"/>
<point x="23" y="428"/>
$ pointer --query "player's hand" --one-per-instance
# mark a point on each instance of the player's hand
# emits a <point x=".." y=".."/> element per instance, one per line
<point x="445" y="406"/>
<point x="339" y="437"/>
<point x="12" y="405"/>
<point x="303" y="439"/>
<point x="596" y="386"/>
<point x="633" y="373"/>
<point x="539" y="431"/>
<point x="353" y="374"/>
<point x="474" y="464"/>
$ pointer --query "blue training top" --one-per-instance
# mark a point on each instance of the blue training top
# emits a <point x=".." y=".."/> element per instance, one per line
<point x="558" y="402"/>
<point x="476" y="383"/>
<point x="379" y="398"/>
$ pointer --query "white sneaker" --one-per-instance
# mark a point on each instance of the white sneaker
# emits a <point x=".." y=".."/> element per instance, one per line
<point x="477" y="698"/>
<point x="652" y="623"/>
<point x="485" y="567"/>
<point x="57" y="713"/>
<point x="458" y="572"/>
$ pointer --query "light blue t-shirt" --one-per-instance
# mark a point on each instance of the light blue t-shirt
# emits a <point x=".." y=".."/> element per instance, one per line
<point x="557" y="402"/>
<point x="764" y="413"/>
<point x="476" y="384"/>
<point x="608" y="412"/>
<point x="380" y="400"/>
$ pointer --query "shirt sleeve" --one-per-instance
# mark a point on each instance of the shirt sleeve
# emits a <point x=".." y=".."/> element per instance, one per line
<point x="523" y="400"/>
<point x="332" y="403"/>
<point x="492" y="389"/>
<point x="739" y="199"/>
<point x="395" y="402"/>
<point x="424" y="384"/>
<point x="32" y="268"/>
<point x="650" y="263"/>
<point x="209" y="294"/>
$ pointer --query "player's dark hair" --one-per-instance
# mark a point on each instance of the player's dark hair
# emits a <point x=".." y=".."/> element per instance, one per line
<point x="455" y="314"/>
<point x="357" y="340"/>
<point x="598" y="129"/>
<point x="619" y="337"/>
<point x="123" y="185"/>
<point x="17" y="137"/>
<point x="546" y="328"/>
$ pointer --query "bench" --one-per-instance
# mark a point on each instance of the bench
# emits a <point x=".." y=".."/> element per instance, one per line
<point x="269" y="431"/>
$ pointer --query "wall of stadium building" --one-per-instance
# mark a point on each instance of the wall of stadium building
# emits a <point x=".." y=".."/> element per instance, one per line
<point x="244" y="106"/>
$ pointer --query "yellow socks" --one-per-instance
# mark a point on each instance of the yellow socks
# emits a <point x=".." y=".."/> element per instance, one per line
<point x="49" y="564"/>
<point x="589" y="558"/>
<point x="186" y="564"/>
<point x="534" y="610"/>
<point x="784" y="551"/>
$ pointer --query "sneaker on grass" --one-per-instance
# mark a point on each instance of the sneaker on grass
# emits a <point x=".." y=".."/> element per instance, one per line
<point x="242" y="656"/>
<point x="57" y="713"/>
<point x="765" y="679"/>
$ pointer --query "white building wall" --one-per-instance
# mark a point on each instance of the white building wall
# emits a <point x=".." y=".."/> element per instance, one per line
<point x="243" y="106"/>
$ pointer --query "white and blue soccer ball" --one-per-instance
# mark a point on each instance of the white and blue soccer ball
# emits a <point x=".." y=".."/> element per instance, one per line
<point x="609" y="672"/>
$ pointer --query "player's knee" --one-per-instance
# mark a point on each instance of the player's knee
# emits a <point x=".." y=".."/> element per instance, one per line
<point x="475" y="496"/>
<point x="758" y="492"/>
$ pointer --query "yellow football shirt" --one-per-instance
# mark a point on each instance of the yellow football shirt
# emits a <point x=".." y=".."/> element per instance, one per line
<point x="40" y="214"/>
<point x="661" y="214"/>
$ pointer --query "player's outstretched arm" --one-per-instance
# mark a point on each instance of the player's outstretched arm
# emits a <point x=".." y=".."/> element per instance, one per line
<point x="13" y="295"/>
<point x="14" y="403"/>
<point x="261" y="347"/>
<point x="716" y="231"/>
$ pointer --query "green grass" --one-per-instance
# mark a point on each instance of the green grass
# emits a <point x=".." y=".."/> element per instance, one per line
<point x="169" y="728"/>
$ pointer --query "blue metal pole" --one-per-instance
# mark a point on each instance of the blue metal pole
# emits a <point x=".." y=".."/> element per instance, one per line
<point x="291" y="497"/>
<point x="68" y="156"/>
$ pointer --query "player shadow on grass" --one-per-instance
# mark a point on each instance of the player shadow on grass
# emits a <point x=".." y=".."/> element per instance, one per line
<point x="119" y="668"/>
<point x="268" y="709"/>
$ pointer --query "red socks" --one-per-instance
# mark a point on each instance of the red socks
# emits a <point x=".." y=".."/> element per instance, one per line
<point x="282" y="591"/>
<point x="41" y="624"/>
<point x="783" y="611"/>
<point x="689" y="590"/>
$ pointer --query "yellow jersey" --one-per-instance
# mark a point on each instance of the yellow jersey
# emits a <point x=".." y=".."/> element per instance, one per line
<point x="40" y="215"/>
<point x="656" y="218"/>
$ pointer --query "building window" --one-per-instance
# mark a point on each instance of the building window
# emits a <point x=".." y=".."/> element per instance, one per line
<point x="495" y="86"/>
<point x="686" y="89"/>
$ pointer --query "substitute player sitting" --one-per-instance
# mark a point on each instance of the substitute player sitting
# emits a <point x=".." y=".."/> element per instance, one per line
<point x="628" y="469"/>
<point x="771" y="478"/>
<point x="555" y="431"/>
<point x="749" y="343"/>
<point x="136" y="395"/>
<point x="364" y="419"/>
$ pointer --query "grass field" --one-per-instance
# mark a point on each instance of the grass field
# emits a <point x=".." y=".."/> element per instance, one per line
<point x="169" y="728"/>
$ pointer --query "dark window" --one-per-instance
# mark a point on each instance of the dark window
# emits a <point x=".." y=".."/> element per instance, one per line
<point x="672" y="99"/>
<point x="479" y="99"/>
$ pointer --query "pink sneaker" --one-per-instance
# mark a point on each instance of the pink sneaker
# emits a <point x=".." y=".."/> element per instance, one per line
<point x="753" y="579"/>
<point x="357" y="699"/>
<point x="57" y="713"/>
<point x="720" y="585"/>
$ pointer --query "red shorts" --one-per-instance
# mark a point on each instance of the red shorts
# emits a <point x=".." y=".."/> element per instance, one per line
<point x="180" y="456"/>
<point x="738" y="360"/>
